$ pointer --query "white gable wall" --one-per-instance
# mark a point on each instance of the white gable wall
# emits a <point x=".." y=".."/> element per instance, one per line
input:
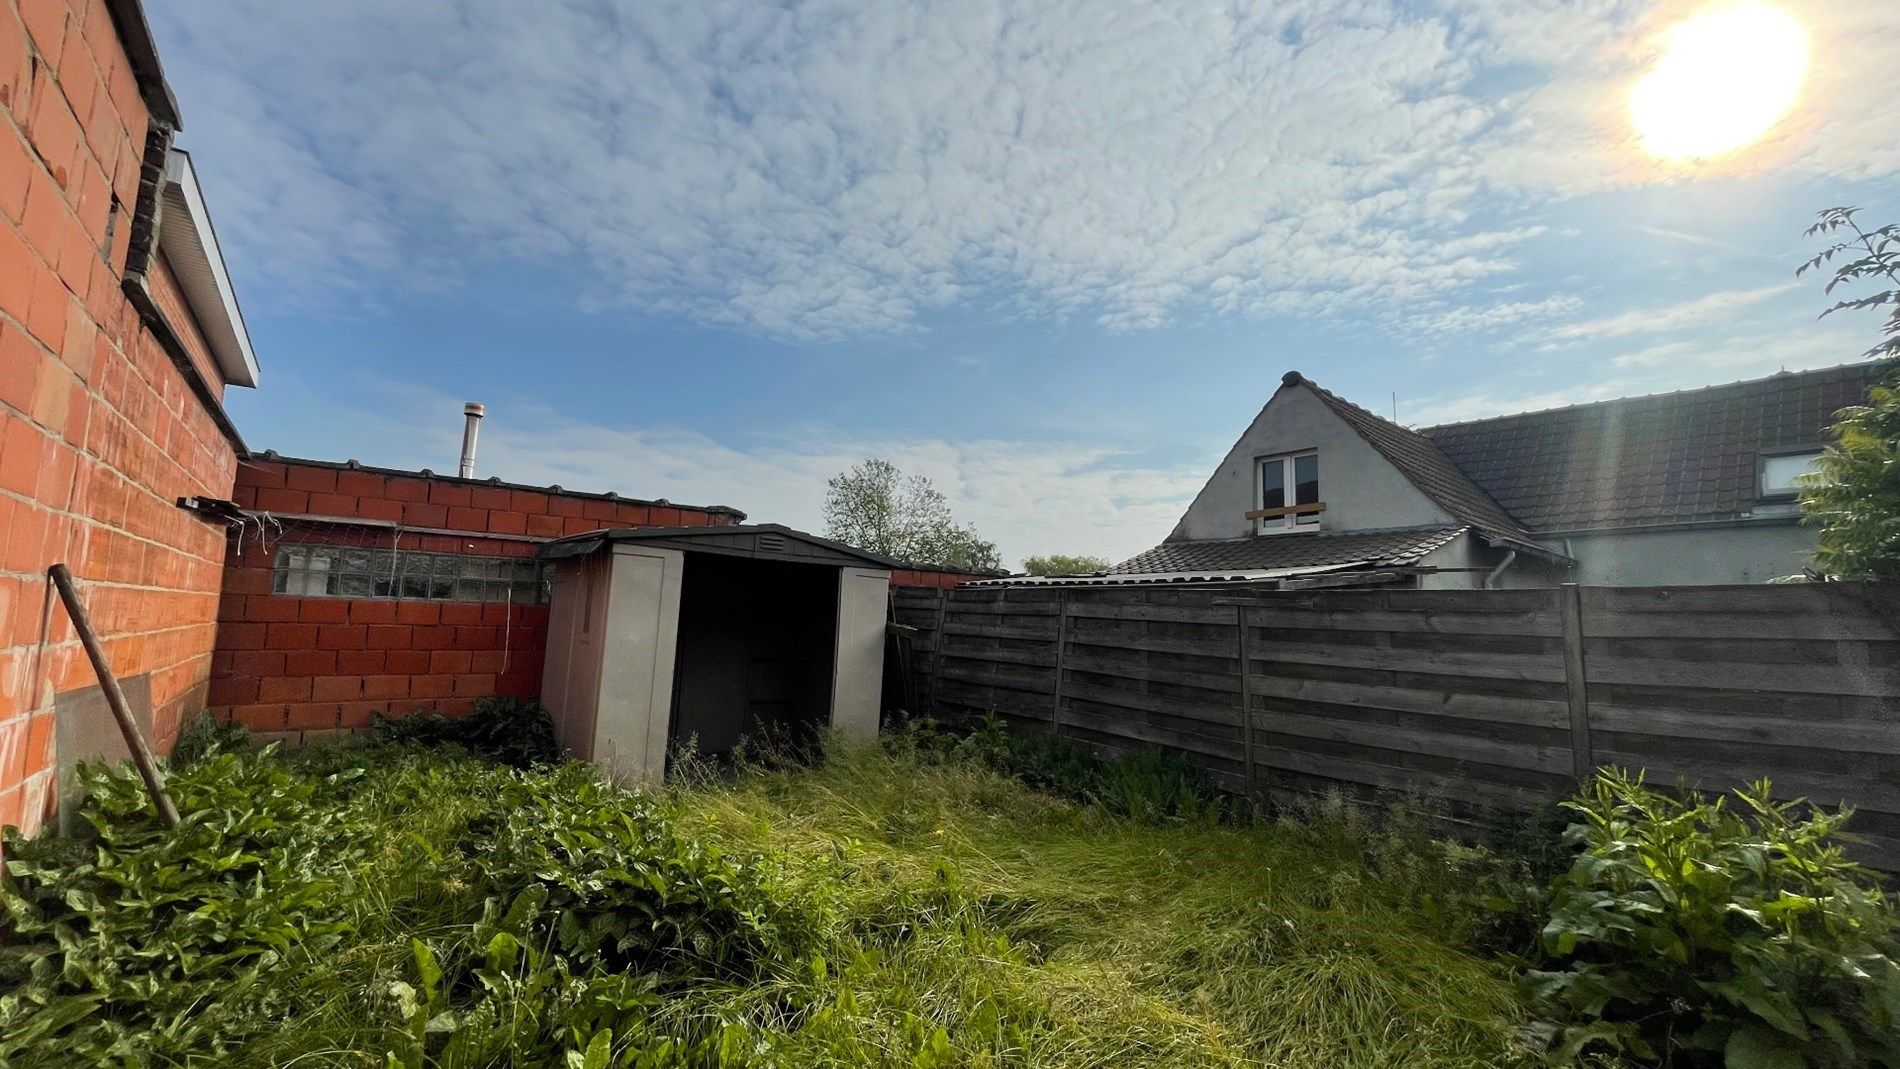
<point x="1361" y="490"/>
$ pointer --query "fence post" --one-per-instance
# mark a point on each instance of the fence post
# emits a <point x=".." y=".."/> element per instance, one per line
<point x="1246" y="697"/>
<point x="1062" y="643"/>
<point x="1582" y="758"/>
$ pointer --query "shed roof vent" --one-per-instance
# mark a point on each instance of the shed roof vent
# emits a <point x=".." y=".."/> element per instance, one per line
<point x="774" y="542"/>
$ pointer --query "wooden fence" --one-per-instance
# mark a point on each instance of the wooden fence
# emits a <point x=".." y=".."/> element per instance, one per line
<point x="1478" y="702"/>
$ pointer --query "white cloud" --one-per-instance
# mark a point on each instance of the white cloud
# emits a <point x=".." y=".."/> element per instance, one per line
<point x="1479" y="318"/>
<point x="1709" y="309"/>
<point x="822" y="170"/>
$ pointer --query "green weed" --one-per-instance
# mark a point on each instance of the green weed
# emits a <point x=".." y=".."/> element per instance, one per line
<point x="1692" y="933"/>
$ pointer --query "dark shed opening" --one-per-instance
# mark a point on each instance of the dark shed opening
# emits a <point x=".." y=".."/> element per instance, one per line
<point x="756" y="645"/>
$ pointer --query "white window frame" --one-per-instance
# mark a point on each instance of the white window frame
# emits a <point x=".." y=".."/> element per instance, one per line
<point x="1769" y="493"/>
<point x="1281" y="524"/>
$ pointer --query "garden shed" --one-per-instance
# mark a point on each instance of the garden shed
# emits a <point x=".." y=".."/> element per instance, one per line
<point x="660" y="635"/>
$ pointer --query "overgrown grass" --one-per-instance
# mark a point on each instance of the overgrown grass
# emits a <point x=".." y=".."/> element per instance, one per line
<point x="1092" y="939"/>
<point x="892" y="906"/>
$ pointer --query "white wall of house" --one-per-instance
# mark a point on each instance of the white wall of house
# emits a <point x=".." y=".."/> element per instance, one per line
<point x="1752" y="553"/>
<point x="1361" y="490"/>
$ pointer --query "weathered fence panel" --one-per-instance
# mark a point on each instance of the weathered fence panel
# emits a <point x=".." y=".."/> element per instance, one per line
<point x="1478" y="702"/>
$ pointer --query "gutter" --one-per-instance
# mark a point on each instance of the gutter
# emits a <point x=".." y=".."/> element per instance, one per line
<point x="138" y="260"/>
<point x="388" y="525"/>
<point x="1789" y="520"/>
<point x="135" y="36"/>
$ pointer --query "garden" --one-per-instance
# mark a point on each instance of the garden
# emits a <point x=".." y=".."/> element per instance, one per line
<point x="452" y="896"/>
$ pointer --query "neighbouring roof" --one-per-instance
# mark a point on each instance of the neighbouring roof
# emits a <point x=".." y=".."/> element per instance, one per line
<point x="1272" y="553"/>
<point x="1678" y="457"/>
<point x="761" y="540"/>
<point x="1422" y="462"/>
<point x="191" y="248"/>
<point x="271" y="456"/>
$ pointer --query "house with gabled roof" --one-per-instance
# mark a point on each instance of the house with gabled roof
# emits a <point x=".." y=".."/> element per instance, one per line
<point x="1691" y="487"/>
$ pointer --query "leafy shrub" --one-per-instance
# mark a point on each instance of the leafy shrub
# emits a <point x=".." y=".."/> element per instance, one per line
<point x="144" y="941"/>
<point x="1148" y="784"/>
<point x="207" y="736"/>
<point x="516" y="733"/>
<point x="1153" y="785"/>
<point x="622" y="884"/>
<point x="1691" y="933"/>
<point x="1052" y="764"/>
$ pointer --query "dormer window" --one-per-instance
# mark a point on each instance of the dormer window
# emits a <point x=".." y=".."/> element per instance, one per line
<point x="1781" y="471"/>
<point x="1287" y="493"/>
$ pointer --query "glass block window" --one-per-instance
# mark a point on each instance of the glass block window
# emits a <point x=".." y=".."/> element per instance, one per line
<point x="352" y="572"/>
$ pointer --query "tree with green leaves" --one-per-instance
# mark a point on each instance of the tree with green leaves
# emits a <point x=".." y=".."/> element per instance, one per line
<point x="874" y="506"/>
<point x="1854" y="495"/>
<point x="1062" y="564"/>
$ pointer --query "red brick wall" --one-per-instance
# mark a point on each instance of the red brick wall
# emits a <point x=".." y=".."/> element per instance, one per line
<point x="932" y="577"/>
<point x="321" y="664"/>
<point x="99" y="431"/>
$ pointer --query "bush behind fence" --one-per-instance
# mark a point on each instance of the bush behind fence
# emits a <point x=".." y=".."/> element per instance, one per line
<point x="1479" y="702"/>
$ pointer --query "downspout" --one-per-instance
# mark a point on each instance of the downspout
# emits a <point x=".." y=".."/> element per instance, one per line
<point x="1491" y="577"/>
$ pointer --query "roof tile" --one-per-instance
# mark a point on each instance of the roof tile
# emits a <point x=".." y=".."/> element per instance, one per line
<point x="1665" y="458"/>
<point x="1297" y="550"/>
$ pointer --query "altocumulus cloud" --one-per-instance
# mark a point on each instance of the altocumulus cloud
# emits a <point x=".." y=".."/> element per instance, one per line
<point x="822" y="170"/>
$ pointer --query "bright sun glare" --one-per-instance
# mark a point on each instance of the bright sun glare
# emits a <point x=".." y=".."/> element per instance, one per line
<point x="1729" y="74"/>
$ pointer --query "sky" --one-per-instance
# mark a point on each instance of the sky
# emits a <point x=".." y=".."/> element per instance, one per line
<point x="1053" y="255"/>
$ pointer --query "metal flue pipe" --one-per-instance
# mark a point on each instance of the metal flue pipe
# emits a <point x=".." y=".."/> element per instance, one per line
<point x="472" y="414"/>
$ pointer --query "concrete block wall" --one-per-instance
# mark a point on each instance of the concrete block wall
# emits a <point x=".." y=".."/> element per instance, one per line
<point x="304" y="667"/>
<point x="100" y="432"/>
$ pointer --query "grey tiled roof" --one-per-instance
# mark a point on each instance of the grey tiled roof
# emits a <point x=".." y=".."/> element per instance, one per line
<point x="1666" y="458"/>
<point x="1420" y="460"/>
<point x="1301" y="550"/>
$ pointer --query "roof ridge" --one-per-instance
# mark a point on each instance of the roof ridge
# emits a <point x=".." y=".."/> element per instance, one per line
<point x="1817" y="372"/>
<point x="1469" y="513"/>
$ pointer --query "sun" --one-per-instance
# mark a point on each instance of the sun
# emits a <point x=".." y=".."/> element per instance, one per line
<point x="1730" y="73"/>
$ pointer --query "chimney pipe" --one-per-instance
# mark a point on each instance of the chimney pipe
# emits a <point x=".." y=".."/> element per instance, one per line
<point x="473" y="414"/>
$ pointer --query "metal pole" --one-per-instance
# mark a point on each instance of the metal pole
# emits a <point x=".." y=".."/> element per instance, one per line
<point x="472" y="414"/>
<point x="115" y="698"/>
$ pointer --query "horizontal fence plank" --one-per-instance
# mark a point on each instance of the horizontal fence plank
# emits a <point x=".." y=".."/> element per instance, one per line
<point x="1864" y="735"/>
<point x="1528" y="712"/>
<point x="1211" y="646"/>
<point x="1043" y="633"/>
<point x="1004" y="676"/>
<point x="1828" y="626"/>
<point x="1141" y="731"/>
<point x="1032" y="658"/>
<point x="1108" y="664"/>
<point x="1540" y="624"/>
<point x="1540" y="669"/>
<point x="1453" y="747"/>
<point x="1179" y="614"/>
<point x="1430" y="785"/>
<point x="1872" y="680"/>
<point x="1762" y="599"/>
<point x="1188" y="708"/>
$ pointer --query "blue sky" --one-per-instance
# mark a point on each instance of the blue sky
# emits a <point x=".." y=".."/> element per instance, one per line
<point x="1053" y="255"/>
